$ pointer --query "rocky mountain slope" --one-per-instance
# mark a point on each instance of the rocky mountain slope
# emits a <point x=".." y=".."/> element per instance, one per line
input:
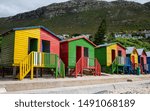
<point x="84" y="16"/>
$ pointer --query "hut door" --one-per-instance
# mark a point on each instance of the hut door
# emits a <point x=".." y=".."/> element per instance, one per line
<point x="113" y="55"/>
<point x="45" y="46"/>
<point x="133" y="59"/>
<point x="86" y="52"/>
<point x="78" y="53"/>
<point x="142" y="61"/>
<point x="33" y="45"/>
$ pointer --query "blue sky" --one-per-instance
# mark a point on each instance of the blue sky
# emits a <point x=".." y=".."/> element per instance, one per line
<point x="12" y="7"/>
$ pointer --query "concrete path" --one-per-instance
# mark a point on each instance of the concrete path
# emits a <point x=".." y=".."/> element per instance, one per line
<point x="50" y="83"/>
<point x="88" y="89"/>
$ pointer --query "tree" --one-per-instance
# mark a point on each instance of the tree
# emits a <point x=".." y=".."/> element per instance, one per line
<point x="110" y="37"/>
<point x="100" y="34"/>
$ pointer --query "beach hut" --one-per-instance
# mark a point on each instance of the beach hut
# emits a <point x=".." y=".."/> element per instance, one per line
<point x="148" y="61"/>
<point x="29" y="48"/>
<point x="142" y="60"/>
<point x="78" y="54"/>
<point x="111" y="55"/>
<point x="133" y="55"/>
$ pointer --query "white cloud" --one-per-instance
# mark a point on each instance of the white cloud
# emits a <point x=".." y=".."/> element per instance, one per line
<point x="12" y="7"/>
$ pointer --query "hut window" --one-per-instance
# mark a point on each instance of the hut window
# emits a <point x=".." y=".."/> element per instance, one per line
<point x="86" y="52"/>
<point x="119" y="53"/>
<point x="45" y="46"/>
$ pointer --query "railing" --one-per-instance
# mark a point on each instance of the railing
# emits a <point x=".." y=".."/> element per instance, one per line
<point x="41" y="60"/>
<point x="120" y="60"/>
<point x="97" y="68"/>
<point x="135" y="65"/>
<point x="141" y="68"/>
<point x="61" y="68"/>
<point x="128" y="62"/>
<point x="124" y="61"/>
<point x="79" y="67"/>
<point x="114" y="64"/>
<point x="146" y="67"/>
<point x="90" y="63"/>
<point x="26" y="65"/>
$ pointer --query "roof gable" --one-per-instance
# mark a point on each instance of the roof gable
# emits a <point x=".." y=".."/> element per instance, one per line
<point x="77" y="38"/>
<point x="148" y="54"/>
<point x="141" y="51"/>
<point x="130" y="50"/>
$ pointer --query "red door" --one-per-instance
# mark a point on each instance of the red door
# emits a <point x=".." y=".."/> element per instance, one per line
<point x="133" y="59"/>
<point x="113" y="55"/>
<point x="78" y="53"/>
<point x="142" y="61"/>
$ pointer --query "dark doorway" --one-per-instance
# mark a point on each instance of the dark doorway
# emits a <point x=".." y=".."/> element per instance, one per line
<point x="86" y="52"/>
<point x="78" y="53"/>
<point x="113" y="55"/>
<point x="33" y="45"/>
<point x="45" y="46"/>
<point x="120" y="53"/>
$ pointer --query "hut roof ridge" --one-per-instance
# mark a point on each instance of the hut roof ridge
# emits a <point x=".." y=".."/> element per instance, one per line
<point x="32" y="27"/>
<point x="108" y="44"/>
<point x="148" y="54"/>
<point x="130" y="50"/>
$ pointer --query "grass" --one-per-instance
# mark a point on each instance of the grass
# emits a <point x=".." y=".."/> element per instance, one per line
<point x="138" y="43"/>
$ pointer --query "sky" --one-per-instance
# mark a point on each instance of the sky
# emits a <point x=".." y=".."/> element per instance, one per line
<point x="13" y="7"/>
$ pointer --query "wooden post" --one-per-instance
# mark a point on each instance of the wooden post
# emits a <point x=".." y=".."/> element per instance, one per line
<point x="37" y="72"/>
<point x="3" y="75"/>
<point x="32" y="66"/>
<point x="68" y="72"/>
<point x="14" y="71"/>
<point x="32" y="71"/>
<point x="41" y="72"/>
<point x="56" y="71"/>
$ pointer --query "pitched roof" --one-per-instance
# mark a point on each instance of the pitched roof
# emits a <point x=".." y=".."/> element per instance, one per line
<point x="148" y="54"/>
<point x="129" y="50"/>
<point x="140" y="51"/>
<point x="31" y="27"/>
<point x="106" y="44"/>
<point x="77" y="38"/>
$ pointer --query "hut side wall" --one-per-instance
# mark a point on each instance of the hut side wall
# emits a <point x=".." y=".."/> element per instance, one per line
<point x="22" y="43"/>
<point x="64" y="53"/>
<point x="148" y="60"/>
<point x="145" y="57"/>
<point x="7" y="49"/>
<point x="109" y="53"/>
<point x="122" y="50"/>
<point x="100" y="54"/>
<point x="54" y="42"/>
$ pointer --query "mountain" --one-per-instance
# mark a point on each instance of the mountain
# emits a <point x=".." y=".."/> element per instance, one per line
<point x="83" y="16"/>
